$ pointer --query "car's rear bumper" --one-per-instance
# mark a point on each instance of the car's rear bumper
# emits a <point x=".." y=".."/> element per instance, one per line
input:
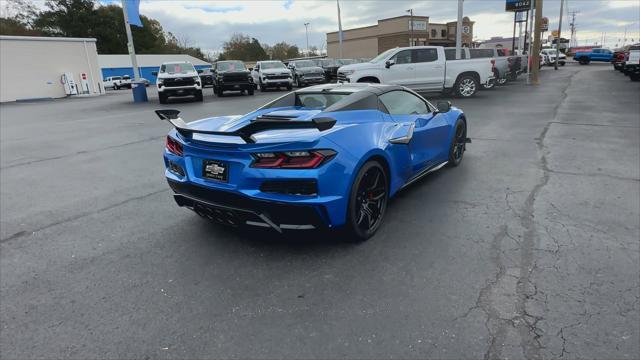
<point x="233" y="209"/>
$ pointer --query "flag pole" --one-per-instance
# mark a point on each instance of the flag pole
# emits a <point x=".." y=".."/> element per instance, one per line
<point x="132" y="50"/>
<point x="339" y="30"/>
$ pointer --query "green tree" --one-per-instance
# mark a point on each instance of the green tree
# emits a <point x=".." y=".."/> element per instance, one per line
<point x="283" y="51"/>
<point x="243" y="47"/>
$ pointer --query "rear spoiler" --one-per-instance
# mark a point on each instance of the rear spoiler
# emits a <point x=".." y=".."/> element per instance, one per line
<point x="245" y="133"/>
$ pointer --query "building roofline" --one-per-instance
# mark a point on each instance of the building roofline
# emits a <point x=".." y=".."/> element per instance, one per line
<point x="45" y="38"/>
<point x="358" y="28"/>
<point x="405" y="16"/>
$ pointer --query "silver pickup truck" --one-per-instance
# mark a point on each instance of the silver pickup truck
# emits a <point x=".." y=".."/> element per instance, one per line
<point x="422" y="68"/>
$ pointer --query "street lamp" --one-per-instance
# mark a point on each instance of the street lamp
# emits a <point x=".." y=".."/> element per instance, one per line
<point x="306" y="28"/>
<point x="410" y="11"/>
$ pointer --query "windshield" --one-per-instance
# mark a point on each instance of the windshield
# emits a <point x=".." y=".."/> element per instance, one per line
<point x="181" y="68"/>
<point x="318" y="100"/>
<point x="304" y="63"/>
<point x="271" y="65"/>
<point x="382" y="56"/>
<point x="230" y="66"/>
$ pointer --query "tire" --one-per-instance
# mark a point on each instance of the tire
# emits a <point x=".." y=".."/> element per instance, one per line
<point x="220" y="92"/>
<point x="199" y="96"/>
<point x="367" y="202"/>
<point x="562" y="63"/>
<point x="289" y="87"/>
<point x="262" y="87"/>
<point x="458" y="144"/>
<point x="162" y="98"/>
<point x="491" y="85"/>
<point x="250" y="91"/>
<point x="298" y="83"/>
<point x="502" y="81"/>
<point x="584" y="60"/>
<point x="634" y="77"/>
<point x="116" y="87"/>
<point x="466" y="86"/>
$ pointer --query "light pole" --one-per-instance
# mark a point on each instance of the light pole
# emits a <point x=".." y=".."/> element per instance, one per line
<point x="306" y="28"/>
<point x="410" y="11"/>
<point x="459" y="31"/>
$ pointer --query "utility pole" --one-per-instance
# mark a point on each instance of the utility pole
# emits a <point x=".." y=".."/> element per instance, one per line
<point x="555" y="66"/>
<point x="410" y="11"/>
<point x="574" y="41"/>
<point x="535" y="56"/>
<point x="339" y="31"/>
<point x="529" y="37"/>
<point x="306" y="29"/>
<point x="459" y="31"/>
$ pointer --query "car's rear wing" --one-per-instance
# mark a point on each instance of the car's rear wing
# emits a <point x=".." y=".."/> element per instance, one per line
<point x="256" y="125"/>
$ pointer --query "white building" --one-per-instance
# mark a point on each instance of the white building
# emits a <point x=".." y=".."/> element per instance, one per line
<point x="33" y="67"/>
<point x="119" y="65"/>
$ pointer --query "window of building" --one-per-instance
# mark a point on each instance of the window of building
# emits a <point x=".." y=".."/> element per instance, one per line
<point x="434" y="33"/>
<point x="443" y="33"/>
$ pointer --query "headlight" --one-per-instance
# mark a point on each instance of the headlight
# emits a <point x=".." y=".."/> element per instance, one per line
<point x="196" y="78"/>
<point x="160" y="81"/>
<point x="347" y="72"/>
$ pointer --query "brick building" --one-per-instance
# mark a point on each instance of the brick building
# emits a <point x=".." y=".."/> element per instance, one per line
<point x="369" y="41"/>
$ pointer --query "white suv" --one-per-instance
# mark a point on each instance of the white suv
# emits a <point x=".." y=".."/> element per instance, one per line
<point x="178" y="79"/>
<point x="272" y="74"/>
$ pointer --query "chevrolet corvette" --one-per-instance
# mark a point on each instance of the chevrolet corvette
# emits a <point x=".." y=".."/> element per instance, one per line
<point x="327" y="156"/>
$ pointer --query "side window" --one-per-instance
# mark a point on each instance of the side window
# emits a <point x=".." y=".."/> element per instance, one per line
<point x="403" y="57"/>
<point x="450" y="54"/>
<point x="481" y="53"/>
<point x="425" y="55"/>
<point x="403" y="103"/>
<point x="597" y="51"/>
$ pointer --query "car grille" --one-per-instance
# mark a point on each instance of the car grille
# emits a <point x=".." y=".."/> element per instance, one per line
<point x="290" y="187"/>
<point x="235" y="78"/>
<point x="342" y="77"/>
<point x="277" y="77"/>
<point x="178" y="82"/>
<point x="314" y="75"/>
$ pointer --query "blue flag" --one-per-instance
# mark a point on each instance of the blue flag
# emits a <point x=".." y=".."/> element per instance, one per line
<point x="133" y="12"/>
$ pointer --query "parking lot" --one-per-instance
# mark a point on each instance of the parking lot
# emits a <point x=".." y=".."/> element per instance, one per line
<point x="529" y="249"/>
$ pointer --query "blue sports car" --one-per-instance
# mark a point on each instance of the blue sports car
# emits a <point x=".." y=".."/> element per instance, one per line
<point x="327" y="156"/>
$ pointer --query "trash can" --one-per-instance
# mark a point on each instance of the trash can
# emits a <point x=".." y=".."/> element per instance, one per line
<point x="139" y="91"/>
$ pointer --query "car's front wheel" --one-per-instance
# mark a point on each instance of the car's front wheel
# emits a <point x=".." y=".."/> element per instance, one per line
<point x="458" y="144"/>
<point x="367" y="201"/>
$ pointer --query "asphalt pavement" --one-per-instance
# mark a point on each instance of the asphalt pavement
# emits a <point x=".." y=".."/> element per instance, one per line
<point x="529" y="249"/>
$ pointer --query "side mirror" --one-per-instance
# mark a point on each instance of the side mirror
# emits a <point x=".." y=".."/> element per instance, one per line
<point x="154" y="73"/>
<point x="389" y="63"/>
<point x="443" y="106"/>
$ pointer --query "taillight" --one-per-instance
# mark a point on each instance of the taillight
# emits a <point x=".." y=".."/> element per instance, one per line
<point x="292" y="159"/>
<point x="174" y="146"/>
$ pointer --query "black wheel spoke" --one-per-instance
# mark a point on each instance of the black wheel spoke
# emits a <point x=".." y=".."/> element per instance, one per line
<point x="371" y="199"/>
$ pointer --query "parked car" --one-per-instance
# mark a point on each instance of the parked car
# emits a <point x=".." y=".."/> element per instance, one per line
<point x="548" y="57"/>
<point x="232" y="75"/>
<point x="422" y="68"/>
<point x="206" y="77"/>
<point x="632" y="65"/>
<point x="306" y="72"/>
<point x="327" y="64"/>
<point x="333" y="69"/>
<point x="499" y="74"/>
<point x="178" y="79"/>
<point x="117" y="82"/>
<point x="584" y="58"/>
<point x="618" y="59"/>
<point x="328" y="176"/>
<point x="272" y="74"/>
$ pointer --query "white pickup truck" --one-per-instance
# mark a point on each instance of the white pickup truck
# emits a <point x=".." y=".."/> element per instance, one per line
<point x="422" y="68"/>
<point x="117" y="82"/>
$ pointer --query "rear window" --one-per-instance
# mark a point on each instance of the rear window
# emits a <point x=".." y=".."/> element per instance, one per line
<point x="450" y="54"/>
<point x="318" y="100"/>
<point x="481" y="53"/>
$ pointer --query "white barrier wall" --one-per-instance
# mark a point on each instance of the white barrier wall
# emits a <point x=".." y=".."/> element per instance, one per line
<point x="32" y="67"/>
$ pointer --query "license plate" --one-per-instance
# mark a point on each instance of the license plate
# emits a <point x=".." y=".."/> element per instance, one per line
<point x="215" y="170"/>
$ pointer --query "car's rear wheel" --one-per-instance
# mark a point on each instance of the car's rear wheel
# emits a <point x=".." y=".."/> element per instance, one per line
<point x="250" y="91"/>
<point x="162" y="98"/>
<point x="458" y="144"/>
<point x="466" y="86"/>
<point x="367" y="201"/>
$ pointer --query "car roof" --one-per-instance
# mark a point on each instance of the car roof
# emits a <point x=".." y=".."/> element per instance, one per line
<point x="377" y="89"/>
<point x="176" y="62"/>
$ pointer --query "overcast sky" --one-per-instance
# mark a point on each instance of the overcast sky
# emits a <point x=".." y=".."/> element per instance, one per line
<point x="207" y="24"/>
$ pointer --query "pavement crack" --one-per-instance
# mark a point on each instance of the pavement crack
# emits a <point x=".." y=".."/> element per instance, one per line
<point x="111" y="147"/>
<point x="79" y="216"/>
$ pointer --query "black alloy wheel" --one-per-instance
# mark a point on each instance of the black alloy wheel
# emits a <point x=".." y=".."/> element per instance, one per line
<point x="368" y="201"/>
<point x="458" y="144"/>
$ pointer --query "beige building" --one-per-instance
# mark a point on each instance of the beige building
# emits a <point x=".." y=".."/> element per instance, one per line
<point x="369" y="41"/>
<point x="33" y="67"/>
